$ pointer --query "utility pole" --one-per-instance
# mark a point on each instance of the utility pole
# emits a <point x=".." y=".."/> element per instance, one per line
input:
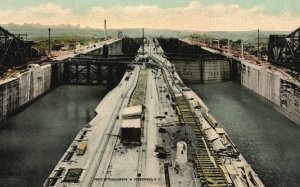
<point x="143" y="41"/>
<point x="49" y="30"/>
<point x="257" y="42"/>
<point x="228" y="43"/>
<point x="105" y="28"/>
<point x="242" y="47"/>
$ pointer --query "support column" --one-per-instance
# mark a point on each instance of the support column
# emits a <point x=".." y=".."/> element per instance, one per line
<point x="99" y="75"/>
<point x="65" y="73"/>
<point x="77" y="74"/>
<point x="88" y="74"/>
<point x="201" y="70"/>
<point x="231" y="69"/>
<point x="105" y="51"/>
<point x="110" y="75"/>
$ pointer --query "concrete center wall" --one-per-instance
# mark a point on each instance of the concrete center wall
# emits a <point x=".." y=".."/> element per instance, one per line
<point x="114" y="48"/>
<point x="120" y="46"/>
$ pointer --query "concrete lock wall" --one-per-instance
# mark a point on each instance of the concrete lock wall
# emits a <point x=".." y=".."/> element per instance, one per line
<point x="188" y="70"/>
<point x="25" y="85"/>
<point x="115" y="48"/>
<point x="40" y="79"/>
<point x="262" y="81"/>
<point x="9" y="101"/>
<point x="216" y="71"/>
<point x="273" y="86"/>
<point x="23" y="88"/>
<point x="211" y="71"/>
<point x="292" y="103"/>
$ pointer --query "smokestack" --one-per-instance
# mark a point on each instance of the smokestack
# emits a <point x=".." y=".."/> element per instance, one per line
<point x="49" y="30"/>
<point x="105" y="28"/>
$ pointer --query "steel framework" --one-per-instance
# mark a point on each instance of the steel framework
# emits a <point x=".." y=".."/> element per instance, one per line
<point x="284" y="50"/>
<point x="95" y="71"/>
<point x="15" y="50"/>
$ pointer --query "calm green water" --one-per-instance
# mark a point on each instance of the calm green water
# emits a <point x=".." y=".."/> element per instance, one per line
<point x="269" y="141"/>
<point x="34" y="140"/>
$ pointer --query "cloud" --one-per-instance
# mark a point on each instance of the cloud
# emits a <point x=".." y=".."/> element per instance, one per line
<point x="195" y="16"/>
<point x="43" y="13"/>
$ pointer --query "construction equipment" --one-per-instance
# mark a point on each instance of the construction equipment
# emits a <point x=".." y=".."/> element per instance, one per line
<point x="15" y="50"/>
<point x="284" y="50"/>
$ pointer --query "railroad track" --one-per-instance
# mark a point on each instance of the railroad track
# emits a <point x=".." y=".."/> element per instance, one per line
<point x="112" y="130"/>
<point x="207" y="163"/>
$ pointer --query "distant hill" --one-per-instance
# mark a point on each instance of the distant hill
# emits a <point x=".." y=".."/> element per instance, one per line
<point x="38" y="31"/>
<point x="247" y="36"/>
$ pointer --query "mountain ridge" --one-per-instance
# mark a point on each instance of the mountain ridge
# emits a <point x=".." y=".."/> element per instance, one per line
<point x="36" y="31"/>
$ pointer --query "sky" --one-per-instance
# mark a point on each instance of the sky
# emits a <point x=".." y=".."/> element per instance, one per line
<point x="200" y="15"/>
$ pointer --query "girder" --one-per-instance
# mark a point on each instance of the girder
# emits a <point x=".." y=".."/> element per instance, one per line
<point x="15" y="50"/>
<point x="284" y="50"/>
<point x="95" y="70"/>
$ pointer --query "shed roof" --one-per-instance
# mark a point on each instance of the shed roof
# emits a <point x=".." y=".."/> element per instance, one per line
<point x="132" y="111"/>
<point x="220" y="130"/>
<point x="131" y="123"/>
<point x="82" y="145"/>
